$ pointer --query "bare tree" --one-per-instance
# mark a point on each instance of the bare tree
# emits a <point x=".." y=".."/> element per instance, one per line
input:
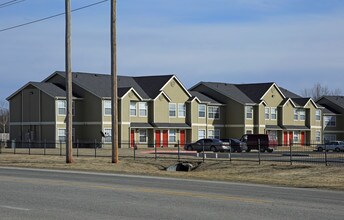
<point x="4" y="116"/>
<point x="318" y="91"/>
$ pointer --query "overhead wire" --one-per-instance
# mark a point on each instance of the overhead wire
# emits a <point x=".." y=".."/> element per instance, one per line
<point x="50" y="17"/>
<point x="9" y="3"/>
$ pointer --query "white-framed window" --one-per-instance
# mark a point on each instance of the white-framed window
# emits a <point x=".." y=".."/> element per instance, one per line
<point x="107" y="107"/>
<point x="133" y="109"/>
<point x="249" y="112"/>
<point x="143" y="136"/>
<point x="273" y="113"/>
<point x="296" y="136"/>
<point x="181" y="110"/>
<point x="108" y="134"/>
<point x="201" y="111"/>
<point x="172" y="110"/>
<point x="296" y="115"/>
<point x="214" y="133"/>
<point x="302" y="113"/>
<point x="201" y="134"/>
<point x="249" y="131"/>
<point x="318" y="136"/>
<point x="267" y="113"/>
<point x="143" y="108"/>
<point x="329" y="121"/>
<point x="73" y="108"/>
<point x="62" y="107"/>
<point x="330" y="137"/>
<point x="214" y="112"/>
<point x="172" y="136"/>
<point x="317" y="115"/>
<point x="61" y="134"/>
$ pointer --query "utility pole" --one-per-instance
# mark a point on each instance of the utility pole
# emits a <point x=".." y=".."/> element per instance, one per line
<point x="69" y="124"/>
<point x="114" y="107"/>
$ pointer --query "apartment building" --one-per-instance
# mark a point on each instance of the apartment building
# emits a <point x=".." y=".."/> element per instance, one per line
<point x="333" y="117"/>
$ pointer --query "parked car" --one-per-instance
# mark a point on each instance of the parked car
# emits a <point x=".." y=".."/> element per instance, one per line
<point x="235" y="145"/>
<point x="331" y="146"/>
<point x="256" y="141"/>
<point x="210" y="144"/>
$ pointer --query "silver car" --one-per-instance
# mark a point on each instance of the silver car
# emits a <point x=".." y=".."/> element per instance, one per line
<point x="208" y="144"/>
<point x="332" y="146"/>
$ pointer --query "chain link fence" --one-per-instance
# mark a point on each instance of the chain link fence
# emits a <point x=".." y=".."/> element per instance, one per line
<point x="294" y="153"/>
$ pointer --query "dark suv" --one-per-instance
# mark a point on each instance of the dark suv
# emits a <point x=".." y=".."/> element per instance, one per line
<point x="256" y="142"/>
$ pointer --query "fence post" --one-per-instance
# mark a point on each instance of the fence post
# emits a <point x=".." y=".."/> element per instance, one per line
<point x="60" y="148"/>
<point x="77" y="148"/>
<point x="45" y="146"/>
<point x="203" y="156"/>
<point x="1" y="147"/>
<point x="29" y="147"/>
<point x="290" y="152"/>
<point x="178" y="151"/>
<point x="155" y="156"/>
<point x="95" y="148"/>
<point x="259" y="151"/>
<point x="230" y="152"/>
<point x="135" y="147"/>
<point x="14" y="147"/>
<point x="326" y="155"/>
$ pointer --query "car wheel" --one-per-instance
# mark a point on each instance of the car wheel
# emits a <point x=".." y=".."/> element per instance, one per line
<point x="262" y="150"/>
<point x="320" y="149"/>
<point x="189" y="147"/>
<point x="270" y="150"/>
<point x="337" y="149"/>
<point x="239" y="151"/>
<point x="213" y="149"/>
<point x="248" y="150"/>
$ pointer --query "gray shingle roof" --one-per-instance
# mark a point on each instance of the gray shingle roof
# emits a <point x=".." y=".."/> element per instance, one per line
<point x="288" y="93"/>
<point x="203" y="98"/>
<point x="300" y="101"/>
<point x="255" y="91"/>
<point x="50" y="89"/>
<point x="229" y="90"/>
<point x="338" y="100"/>
<point x="147" y="87"/>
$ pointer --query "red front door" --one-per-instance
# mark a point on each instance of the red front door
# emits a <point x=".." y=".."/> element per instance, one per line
<point x="165" y="138"/>
<point x="285" y="138"/>
<point x="302" y="138"/>
<point x="290" y="137"/>
<point x="132" y="138"/>
<point x="182" y="138"/>
<point x="157" y="138"/>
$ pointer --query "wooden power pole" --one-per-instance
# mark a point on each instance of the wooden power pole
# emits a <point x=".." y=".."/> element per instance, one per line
<point x="114" y="107"/>
<point x="69" y="124"/>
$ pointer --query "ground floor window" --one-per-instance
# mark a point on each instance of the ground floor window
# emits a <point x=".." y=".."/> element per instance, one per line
<point x="249" y="131"/>
<point x="214" y="133"/>
<point x="143" y="136"/>
<point x="172" y="136"/>
<point x="108" y="133"/>
<point x="317" y="136"/>
<point x="330" y="137"/>
<point x="201" y="134"/>
<point x="296" y="136"/>
<point x="62" y="135"/>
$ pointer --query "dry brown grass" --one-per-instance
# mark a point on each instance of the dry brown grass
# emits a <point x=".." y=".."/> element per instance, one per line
<point x="315" y="176"/>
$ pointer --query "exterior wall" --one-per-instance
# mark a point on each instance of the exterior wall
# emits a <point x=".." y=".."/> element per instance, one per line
<point x="161" y="110"/>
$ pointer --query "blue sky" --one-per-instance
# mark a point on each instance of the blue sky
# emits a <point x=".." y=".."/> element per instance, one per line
<point x="295" y="43"/>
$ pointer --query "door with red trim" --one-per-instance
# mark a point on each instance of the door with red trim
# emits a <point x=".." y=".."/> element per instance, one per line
<point x="285" y="138"/>
<point x="291" y="137"/>
<point x="132" y="138"/>
<point x="165" y="138"/>
<point x="182" y="138"/>
<point x="302" y="138"/>
<point x="157" y="138"/>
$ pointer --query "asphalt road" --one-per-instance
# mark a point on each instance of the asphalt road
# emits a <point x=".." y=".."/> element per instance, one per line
<point x="46" y="194"/>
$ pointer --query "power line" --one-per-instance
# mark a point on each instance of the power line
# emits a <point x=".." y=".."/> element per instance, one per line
<point x="52" y="16"/>
<point x="9" y="3"/>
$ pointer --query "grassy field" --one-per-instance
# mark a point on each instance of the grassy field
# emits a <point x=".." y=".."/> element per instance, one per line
<point x="311" y="176"/>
